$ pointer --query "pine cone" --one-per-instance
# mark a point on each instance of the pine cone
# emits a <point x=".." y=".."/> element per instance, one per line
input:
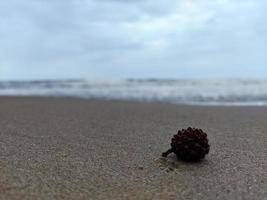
<point x="189" y="144"/>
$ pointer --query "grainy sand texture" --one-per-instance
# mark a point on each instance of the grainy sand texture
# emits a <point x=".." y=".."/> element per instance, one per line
<point x="56" y="148"/>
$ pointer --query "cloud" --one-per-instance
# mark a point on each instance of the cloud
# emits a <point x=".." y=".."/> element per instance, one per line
<point x="115" y="38"/>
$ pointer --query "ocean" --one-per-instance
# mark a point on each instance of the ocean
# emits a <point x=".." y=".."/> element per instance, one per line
<point x="191" y="92"/>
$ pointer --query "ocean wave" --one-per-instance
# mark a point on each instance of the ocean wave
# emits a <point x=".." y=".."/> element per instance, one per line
<point x="206" y="92"/>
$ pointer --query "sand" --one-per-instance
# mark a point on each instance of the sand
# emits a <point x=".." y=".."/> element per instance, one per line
<point x="59" y="148"/>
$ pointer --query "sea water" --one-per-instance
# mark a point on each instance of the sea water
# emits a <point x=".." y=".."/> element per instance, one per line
<point x="196" y="92"/>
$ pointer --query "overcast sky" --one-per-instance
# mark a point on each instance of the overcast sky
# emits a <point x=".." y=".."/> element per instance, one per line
<point x="133" y="38"/>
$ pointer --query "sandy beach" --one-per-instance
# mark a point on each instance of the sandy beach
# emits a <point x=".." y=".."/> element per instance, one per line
<point x="59" y="148"/>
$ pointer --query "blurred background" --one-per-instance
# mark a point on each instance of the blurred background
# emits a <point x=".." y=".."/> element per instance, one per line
<point x="186" y="51"/>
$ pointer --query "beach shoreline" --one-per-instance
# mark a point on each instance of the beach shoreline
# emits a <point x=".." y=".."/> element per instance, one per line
<point x="70" y="148"/>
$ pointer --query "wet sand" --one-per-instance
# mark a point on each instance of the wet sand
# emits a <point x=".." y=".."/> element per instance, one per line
<point x="58" y="148"/>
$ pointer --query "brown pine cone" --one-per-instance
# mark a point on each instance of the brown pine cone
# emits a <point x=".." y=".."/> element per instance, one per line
<point x="189" y="144"/>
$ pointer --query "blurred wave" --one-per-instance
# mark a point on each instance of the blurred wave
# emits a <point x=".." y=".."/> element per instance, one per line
<point x="197" y="92"/>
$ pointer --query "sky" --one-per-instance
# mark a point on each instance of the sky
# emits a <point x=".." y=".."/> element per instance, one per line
<point x="102" y="39"/>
